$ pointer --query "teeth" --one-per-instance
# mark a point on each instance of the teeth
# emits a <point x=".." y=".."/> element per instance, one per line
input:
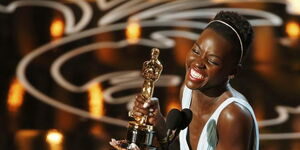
<point x="196" y="74"/>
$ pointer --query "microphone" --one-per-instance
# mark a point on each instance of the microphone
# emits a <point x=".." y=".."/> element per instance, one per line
<point x="187" y="116"/>
<point x="177" y="121"/>
<point x="174" y="120"/>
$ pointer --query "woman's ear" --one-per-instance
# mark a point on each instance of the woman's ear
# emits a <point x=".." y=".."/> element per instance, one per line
<point x="235" y="71"/>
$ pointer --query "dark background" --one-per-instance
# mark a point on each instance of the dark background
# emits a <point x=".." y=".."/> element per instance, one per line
<point x="270" y="78"/>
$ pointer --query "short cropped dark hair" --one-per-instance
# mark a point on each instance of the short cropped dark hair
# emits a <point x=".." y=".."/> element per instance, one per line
<point x="240" y="24"/>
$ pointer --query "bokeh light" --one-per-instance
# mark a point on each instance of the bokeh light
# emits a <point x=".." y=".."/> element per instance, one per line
<point x="133" y="31"/>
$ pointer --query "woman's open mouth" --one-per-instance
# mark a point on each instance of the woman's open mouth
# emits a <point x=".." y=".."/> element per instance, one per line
<point x="196" y="75"/>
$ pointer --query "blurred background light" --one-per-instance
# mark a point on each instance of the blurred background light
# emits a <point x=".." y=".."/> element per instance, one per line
<point x="173" y="103"/>
<point x="292" y="29"/>
<point x="15" y="96"/>
<point x="96" y="107"/>
<point x="293" y="7"/>
<point x="57" y="28"/>
<point x="25" y="138"/>
<point x="55" y="139"/>
<point x="133" y="31"/>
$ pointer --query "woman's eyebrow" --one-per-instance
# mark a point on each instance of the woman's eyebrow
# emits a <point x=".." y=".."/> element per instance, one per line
<point x="209" y="54"/>
<point x="197" y="45"/>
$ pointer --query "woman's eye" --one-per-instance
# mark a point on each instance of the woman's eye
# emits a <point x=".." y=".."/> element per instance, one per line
<point x="213" y="62"/>
<point x="196" y="51"/>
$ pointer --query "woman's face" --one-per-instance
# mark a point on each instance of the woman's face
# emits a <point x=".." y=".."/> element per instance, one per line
<point x="210" y="61"/>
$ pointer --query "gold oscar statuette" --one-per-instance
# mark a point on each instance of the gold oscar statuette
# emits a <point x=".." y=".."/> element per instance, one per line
<point x="140" y="134"/>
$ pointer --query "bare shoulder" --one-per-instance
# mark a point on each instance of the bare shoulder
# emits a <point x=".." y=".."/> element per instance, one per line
<point x="235" y="113"/>
<point x="235" y="122"/>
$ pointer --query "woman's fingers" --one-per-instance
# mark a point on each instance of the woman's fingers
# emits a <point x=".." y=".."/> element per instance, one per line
<point x="140" y="111"/>
<point x="154" y="116"/>
<point x="140" y="98"/>
<point x="136" y="113"/>
<point x="149" y="107"/>
<point x="146" y="102"/>
<point x="145" y="111"/>
<point x="153" y="102"/>
<point x="117" y="144"/>
<point x="152" y="120"/>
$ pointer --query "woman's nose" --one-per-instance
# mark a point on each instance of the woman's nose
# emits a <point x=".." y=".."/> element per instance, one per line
<point x="201" y="66"/>
<point x="199" y="63"/>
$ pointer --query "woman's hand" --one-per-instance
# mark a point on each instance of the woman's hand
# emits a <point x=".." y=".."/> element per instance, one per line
<point x="150" y="108"/>
<point x="119" y="145"/>
<point x="147" y="107"/>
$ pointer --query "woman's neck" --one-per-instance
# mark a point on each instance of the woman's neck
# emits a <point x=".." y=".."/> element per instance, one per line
<point x="215" y="91"/>
<point x="210" y="96"/>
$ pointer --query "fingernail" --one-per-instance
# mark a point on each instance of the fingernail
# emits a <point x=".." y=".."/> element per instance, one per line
<point x="138" y="113"/>
<point x="145" y="105"/>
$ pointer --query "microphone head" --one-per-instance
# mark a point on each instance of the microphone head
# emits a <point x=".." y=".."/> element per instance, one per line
<point x="187" y="116"/>
<point x="174" y="119"/>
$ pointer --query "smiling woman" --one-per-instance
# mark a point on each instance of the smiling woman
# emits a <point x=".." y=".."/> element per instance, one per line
<point x="214" y="59"/>
<point x="223" y="119"/>
<point x="104" y="42"/>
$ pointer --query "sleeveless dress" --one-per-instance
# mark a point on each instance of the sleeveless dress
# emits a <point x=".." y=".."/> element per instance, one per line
<point x="208" y="138"/>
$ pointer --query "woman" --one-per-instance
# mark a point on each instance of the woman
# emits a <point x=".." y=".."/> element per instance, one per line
<point x="222" y="118"/>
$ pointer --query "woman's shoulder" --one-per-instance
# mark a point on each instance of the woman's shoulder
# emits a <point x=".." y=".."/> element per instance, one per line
<point x="236" y="116"/>
<point x="235" y="109"/>
<point x="235" y="125"/>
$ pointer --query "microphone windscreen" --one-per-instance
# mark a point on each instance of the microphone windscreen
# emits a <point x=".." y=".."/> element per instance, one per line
<point x="174" y="119"/>
<point x="187" y="116"/>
